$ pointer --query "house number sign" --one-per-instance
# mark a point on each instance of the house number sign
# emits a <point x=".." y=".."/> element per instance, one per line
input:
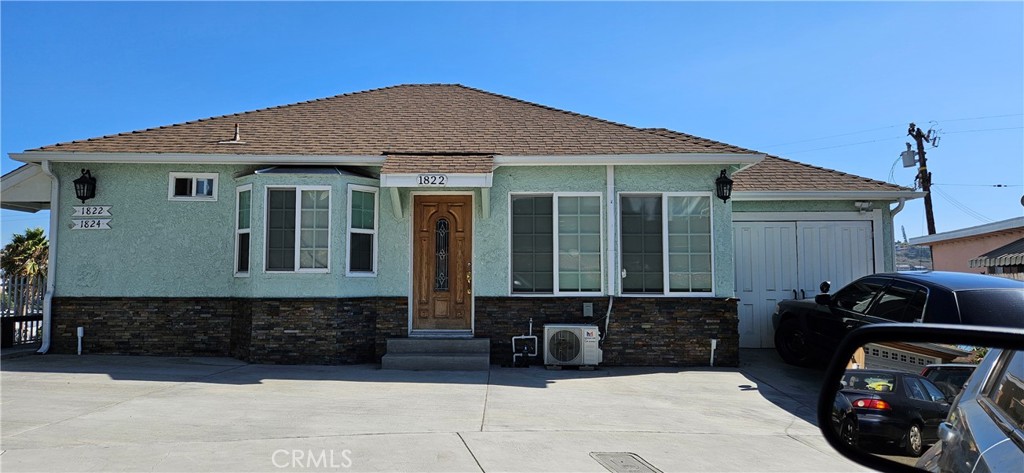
<point x="91" y="211"/>
<point x="92" y="222"/>
<point x="439" y="180"/>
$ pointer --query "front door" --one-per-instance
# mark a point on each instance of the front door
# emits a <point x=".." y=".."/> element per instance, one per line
<point x="442" y="262"/>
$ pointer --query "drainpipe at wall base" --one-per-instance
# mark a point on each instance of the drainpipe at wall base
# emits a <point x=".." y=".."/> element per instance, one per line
<point x="51" y="263"/>
<point x="899" y="207"/>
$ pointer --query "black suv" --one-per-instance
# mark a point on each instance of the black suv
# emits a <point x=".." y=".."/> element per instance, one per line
<point x="807" y="331"/>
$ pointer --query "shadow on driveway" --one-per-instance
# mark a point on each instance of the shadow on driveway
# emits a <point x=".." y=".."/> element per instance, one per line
<point x="791" y="388"/>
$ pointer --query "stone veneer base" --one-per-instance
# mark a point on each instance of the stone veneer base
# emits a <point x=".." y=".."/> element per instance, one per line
<point x="641" y="331"/>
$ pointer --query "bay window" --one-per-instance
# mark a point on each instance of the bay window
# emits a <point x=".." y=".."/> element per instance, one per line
<point x="298" y="229"/>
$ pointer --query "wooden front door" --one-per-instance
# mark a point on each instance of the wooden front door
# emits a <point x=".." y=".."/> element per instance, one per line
<point x="442" y="262"/>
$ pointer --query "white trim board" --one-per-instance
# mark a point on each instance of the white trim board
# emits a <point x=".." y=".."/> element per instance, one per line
<point x="979" y="230"/>
<point x="194" y="158"/>
<point x="628" y="159"/>
<point x="824" y="195"/>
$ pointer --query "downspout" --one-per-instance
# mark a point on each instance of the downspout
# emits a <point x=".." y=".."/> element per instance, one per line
<point x="51" y="263"/>
<point x="610" y="183"/>
<point x="899" y="207"/>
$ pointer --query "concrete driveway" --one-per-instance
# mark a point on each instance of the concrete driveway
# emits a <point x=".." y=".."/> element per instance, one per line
<point x="107" y="413"/>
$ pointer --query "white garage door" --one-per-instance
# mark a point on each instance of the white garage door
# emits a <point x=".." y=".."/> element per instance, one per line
<point x="787" y="260"/>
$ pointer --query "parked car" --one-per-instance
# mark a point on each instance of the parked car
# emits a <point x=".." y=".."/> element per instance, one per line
<point x="807" y="331"/>
<point x="984" y="431"/>
<point x="949" y="377"/>
<point x="889" y="407"/>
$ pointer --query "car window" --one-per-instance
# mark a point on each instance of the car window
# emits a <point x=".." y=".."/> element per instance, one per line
<point x="933" y="391"/>
<point x="882" y="382"/>
<point x="914" y="389"/>
<point x="1000" y="307"/>
<point x="900" y="302"/>
<point x="859" y="294"/>
<point x="1008" y="392"/>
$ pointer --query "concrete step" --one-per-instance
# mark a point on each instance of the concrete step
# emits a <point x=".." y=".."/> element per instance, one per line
<point x="477" y="346"/>
<point x="436" y="361"/>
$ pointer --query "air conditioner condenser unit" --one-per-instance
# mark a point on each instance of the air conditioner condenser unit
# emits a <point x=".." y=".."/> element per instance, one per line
<point x="572" y="345"/>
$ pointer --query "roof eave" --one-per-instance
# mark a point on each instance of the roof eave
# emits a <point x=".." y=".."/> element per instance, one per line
<point x="826" y="195"/>
<point x="979" y="230"/>
<point x="195" y="158"/>
<point x="377" y="160"/>
<point x="630" y="159"/>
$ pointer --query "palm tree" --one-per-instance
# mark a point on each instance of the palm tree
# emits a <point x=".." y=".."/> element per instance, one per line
<point x="23" y="263"/>
<point x="26" y="255"/>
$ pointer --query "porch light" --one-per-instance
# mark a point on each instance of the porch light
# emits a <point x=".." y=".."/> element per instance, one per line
<point x="723" y="187"/>
<point x="85" y="186"/>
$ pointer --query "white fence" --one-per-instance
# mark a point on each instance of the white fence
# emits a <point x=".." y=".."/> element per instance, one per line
<point x="21" y="309"/>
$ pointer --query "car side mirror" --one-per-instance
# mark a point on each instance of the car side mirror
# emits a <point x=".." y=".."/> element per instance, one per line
<point x="852" y="384"/>
<point x="822" y="299"/>
<point x="825" y="286"/>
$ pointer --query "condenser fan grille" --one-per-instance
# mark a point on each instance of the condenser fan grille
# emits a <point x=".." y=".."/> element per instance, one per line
<point x="564" y="346"/>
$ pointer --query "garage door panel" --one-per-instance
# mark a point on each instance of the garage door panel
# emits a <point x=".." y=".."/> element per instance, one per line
<point x="774" y="259"/>
<point x="765" y="264"/>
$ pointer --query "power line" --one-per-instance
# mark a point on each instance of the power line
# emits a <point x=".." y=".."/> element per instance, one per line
<point x="891" y="126"/>
<point x="963" y="208"/>
<point x="984" y="129"/>
<point x="845" y="145"/>
<point x="832" y="136"/>
<point x="980" y="118"/>
<point x="981" y="185"/>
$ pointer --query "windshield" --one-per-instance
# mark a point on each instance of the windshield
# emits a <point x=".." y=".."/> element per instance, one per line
<point x="881" y="382"/>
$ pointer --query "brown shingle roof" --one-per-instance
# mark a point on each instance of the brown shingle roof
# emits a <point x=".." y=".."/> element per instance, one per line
<point x="778" y="174"/>
<point x="404" y="118"/>
<point x="451" y="164"/>
<point x="451" y="121"/>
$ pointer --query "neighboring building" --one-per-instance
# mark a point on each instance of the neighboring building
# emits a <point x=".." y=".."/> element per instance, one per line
<point x="313" y="232"/>
<point x="964" y="250"/>
<point x="1007" y="261"/>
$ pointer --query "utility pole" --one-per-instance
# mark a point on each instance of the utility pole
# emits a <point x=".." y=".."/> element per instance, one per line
<point x="924" y="176"/>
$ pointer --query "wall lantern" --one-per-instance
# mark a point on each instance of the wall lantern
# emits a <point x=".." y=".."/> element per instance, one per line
<point x="85" y="186"/>
<point x="723" y="187"/>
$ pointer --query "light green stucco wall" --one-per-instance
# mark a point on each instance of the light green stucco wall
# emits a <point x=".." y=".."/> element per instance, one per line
<point x="155" y="247"/>
<point x="162" y="248"/>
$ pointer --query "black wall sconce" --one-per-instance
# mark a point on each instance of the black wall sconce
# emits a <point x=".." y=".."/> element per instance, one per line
<point x="85" y="186"/>
<point x="723" y="187"/>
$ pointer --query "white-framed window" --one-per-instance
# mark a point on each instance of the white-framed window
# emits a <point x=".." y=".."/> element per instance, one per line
<point x="243" y="224"/>
<point x="361" y="258"/>
<point x="298" y="229"/>
<point x="665" y="243"/>
<point x="556" y="243"/>
<point x="192" y="186"/>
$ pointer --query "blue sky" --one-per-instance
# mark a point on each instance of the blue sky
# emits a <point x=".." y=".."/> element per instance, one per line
<point x="833" y="85"/>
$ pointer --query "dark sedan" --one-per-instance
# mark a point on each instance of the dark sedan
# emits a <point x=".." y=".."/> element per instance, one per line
<point x="888" y="407"/>
<point x="807" y="331"/>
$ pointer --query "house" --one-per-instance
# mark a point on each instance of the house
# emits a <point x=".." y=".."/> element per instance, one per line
<point x="993" y="248"/>
<point x="314" y="232"/>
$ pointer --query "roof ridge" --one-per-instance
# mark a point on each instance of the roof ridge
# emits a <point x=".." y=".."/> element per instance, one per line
<point x="246" y="112"/>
